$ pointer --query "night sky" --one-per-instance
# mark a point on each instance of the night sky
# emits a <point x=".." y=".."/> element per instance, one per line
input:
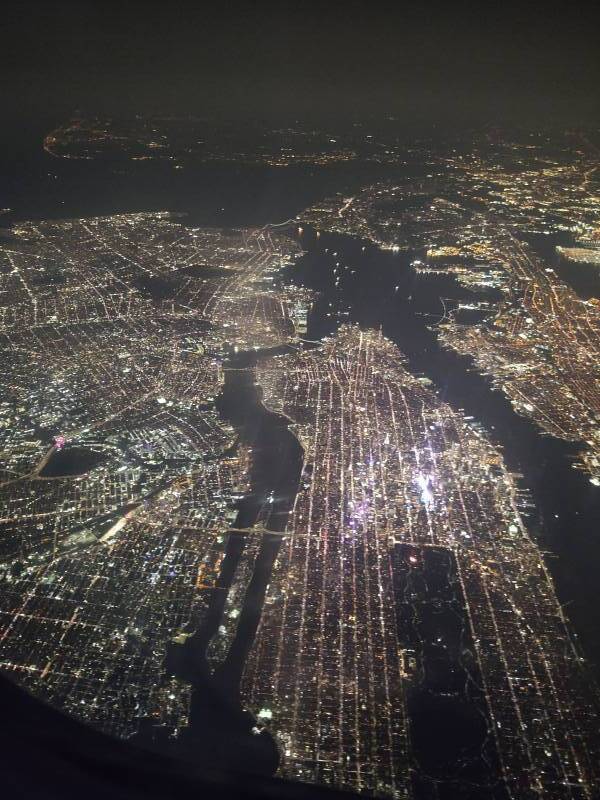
<point x="456" y="62"/>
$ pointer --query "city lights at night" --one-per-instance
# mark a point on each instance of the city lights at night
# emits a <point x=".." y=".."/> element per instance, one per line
<point x="300" y="402"/>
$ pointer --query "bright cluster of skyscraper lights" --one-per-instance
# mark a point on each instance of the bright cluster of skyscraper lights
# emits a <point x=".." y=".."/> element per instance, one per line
<point x="424" y="482"/>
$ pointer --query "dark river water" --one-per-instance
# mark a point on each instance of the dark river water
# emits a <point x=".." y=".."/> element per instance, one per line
<point x="370" y="288"/>
<point x="71" y="461"/>
<point x="219" y="729"/>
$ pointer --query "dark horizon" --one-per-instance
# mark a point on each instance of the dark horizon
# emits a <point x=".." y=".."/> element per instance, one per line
<point x="427" y="65"/>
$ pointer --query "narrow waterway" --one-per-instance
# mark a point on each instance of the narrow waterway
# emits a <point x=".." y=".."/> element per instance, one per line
<point x="220" y="732"/>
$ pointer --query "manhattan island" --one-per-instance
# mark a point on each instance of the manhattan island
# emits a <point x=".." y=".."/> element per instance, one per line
<point x="397" y="486"/>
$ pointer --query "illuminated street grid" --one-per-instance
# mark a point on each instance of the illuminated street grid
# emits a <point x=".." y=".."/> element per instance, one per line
<point x="75" y="271"/>
<point x="470" y="218"/>
<point x="387" y="463"/>
<point x="112" y="335"/>
<point x="89" y="631"/>
<point x="582" y="255"/>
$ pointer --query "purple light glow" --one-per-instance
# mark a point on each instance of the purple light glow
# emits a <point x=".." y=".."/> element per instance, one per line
<point x="424" y="483"/>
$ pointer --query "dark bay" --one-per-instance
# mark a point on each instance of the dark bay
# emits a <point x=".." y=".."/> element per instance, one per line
<point x="71" y="460"/>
